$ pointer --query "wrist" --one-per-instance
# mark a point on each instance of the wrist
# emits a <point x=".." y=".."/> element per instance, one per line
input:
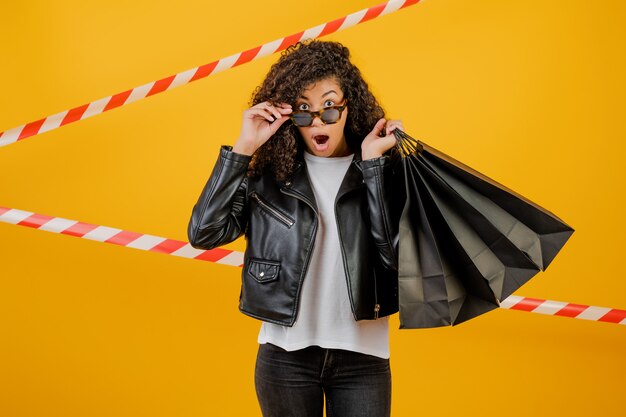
<point x="243" y="148"/>
<point x="370" y="155"/>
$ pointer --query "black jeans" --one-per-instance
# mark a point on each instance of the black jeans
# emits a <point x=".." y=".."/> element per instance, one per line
<point x="294" y="383"/>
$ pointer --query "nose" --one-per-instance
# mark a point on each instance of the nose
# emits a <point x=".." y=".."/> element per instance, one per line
<point x="317" y="121"/>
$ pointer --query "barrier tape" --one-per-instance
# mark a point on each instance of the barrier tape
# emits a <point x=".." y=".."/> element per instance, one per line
<point x="118" y="236"/>
<point x="121" y="99"/>
<point x="558" y="308"/>
<point x="228" y="257"/>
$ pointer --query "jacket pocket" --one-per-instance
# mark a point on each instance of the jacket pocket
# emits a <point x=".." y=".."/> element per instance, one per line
<point x="263" y="270"/>
<point x="273" y="211"/>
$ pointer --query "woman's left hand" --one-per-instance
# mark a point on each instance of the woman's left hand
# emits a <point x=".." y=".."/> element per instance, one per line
<point x="373" y="145"/>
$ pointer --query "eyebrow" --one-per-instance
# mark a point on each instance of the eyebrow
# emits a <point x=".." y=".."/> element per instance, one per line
<point x="323" y="95"/>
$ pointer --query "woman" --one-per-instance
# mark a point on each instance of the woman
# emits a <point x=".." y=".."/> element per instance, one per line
<point x="308" y="184"/>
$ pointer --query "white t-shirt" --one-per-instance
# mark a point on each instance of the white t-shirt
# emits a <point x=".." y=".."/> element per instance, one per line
<point x="325" y="317"/>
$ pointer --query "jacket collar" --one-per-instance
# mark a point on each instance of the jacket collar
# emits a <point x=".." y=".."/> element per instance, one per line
<point x="353" y="178"/>
<point x="301" y="184"/>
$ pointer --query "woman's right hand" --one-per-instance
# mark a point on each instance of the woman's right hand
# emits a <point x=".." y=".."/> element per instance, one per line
<point x="259" y="123"/>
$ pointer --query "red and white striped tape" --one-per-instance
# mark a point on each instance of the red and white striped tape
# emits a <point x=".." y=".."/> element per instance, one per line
<point x="558" y="308"/>
<point x="228" y="257"/>
<point x="121" y="99"/>
<point x="118" y="236"/>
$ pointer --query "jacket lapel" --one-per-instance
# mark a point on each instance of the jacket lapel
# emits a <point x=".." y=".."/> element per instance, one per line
<point x="301" y="184"/>
<point x="353" y="178"/>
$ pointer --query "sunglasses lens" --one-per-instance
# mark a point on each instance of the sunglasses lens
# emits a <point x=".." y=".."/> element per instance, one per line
<point x="302" y="119"/>
<point x="331" y="115"/>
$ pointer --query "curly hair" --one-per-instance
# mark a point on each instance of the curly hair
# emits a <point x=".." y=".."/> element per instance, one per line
<point x="299" y="66"/>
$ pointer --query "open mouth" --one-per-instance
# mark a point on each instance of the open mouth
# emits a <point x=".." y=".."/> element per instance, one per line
<point x="321" y="143"/>
<point x="320" y="139"/>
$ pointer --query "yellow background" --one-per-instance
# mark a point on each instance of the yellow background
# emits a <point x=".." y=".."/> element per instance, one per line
<point x="531" y="93"/>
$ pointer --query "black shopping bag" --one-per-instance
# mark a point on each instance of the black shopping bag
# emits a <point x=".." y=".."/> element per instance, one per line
<point x="466" y="241"/>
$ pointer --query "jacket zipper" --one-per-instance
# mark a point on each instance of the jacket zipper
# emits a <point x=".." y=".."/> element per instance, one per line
<point x="272" y="210"/>
<point x="376" y="305"/>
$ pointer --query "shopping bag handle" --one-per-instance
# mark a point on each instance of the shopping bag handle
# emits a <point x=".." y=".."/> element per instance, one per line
<point x="405" y="144"/>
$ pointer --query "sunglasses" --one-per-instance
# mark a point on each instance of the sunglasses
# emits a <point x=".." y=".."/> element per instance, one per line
<point x="328" y="115"/>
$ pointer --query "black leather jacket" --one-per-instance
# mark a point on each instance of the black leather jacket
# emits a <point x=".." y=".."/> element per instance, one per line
<point x="280" y="219"/>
